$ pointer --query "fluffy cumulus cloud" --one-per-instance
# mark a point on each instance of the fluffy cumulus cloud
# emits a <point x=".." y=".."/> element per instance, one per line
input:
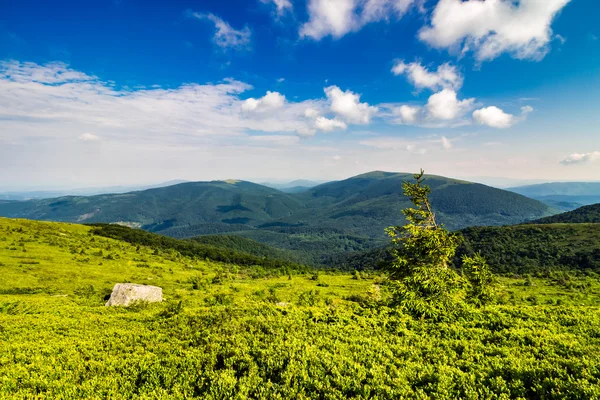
<point x="336" y="18"/>
<point x="445" y="105"/>
<point x="348" y="106"/>
<point x="328" y="125"/>
<point x="581" y="158"/>
<point x="496" y="118"/>
<point x="407" y="114"/>
<point x="311" y="113"/>
<point x="269" y="102"/>
<point x="446" y="76"/>
<point x="226" y="36"/>
<point x="492" y="27"/>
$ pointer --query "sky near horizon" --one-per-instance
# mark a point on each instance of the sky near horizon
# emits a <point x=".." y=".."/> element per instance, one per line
<point x="111" y="92"/>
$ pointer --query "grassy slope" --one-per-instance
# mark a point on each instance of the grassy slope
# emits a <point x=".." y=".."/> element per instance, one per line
<point x="227" y="338"/>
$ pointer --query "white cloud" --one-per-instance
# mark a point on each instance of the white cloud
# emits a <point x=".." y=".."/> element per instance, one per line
<point x="336" y="18"/>
<point x="581" y="158"/>
<point x="561" y="39"/>
<point x="89" y="137"/>
<point x="414" y="149"/>
<point x="408" y="114"/>
<point x="328" y="125"/>
<point x="311" y="113"/>
<point x="494" y="117"/>
<point x="51" y="74"/>
<point x="446" y="143"/>
<point x="69" y="102"/>
<point x="270" y="101"/>
<point x="348" y="105"/>
<point x="492" y="27"/>
<point x="497" y="118"/>
<point x="444" y="105"/>
<point x="392" y="143"/>
<point x="526" y="110"/>
<point x="282" y="6"/>
<point x="401" y="113"/>
<point x="446" y="76"/>
<point x="305" y="131"/>
<point x="336" y="158"/>
<point x="278" y="140"/>
<point x="226" y="36"/>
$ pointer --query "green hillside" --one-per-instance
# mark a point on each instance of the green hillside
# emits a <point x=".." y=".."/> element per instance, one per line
<point x="231" y="331"/>
<point x="244" y="245"/>
<point x="519" y="249"/>
<point x="253" y="254"/>
<point x="223" y="203"/>
<point x="322" y="222"/>
<point x="587" y="214"/>
<point x="535" y="247"/>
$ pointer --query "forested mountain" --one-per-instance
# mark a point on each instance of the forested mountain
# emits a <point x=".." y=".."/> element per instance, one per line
<point x="335" y="217"/>
<point x="562" y="195"/>
<point x="296" y="186"/>
<point x="517" y="249"/>
<point x="536" y="248"/>
<point x="586" y="214"/>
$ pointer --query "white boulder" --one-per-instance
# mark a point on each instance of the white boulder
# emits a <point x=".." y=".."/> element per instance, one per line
<point x="125" y="294"/>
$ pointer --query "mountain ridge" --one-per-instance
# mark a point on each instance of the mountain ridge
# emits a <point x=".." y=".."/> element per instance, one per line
<point x="334" y="217"/>
<point x="565" y="196"/>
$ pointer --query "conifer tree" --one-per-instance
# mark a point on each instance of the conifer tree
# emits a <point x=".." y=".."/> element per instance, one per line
<point x="421" y="277"/>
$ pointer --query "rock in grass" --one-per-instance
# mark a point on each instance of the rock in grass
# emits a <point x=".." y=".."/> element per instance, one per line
<point x="125" y="294"/>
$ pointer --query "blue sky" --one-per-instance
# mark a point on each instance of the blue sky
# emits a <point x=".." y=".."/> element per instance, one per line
<point x="108" y="92"/>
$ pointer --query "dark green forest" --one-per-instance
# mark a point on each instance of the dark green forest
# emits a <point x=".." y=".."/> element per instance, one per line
<point x="586" y="214"/>
<point x="519" y="249"/>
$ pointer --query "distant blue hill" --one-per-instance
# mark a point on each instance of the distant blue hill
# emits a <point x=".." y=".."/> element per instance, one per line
<point x="564" y="196"/>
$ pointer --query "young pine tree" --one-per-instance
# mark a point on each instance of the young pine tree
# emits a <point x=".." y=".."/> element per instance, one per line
<point x="421" y="277"/>
<point x="480" y="280"/>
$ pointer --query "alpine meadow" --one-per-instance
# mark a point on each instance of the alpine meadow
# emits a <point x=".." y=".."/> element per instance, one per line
<point x="299" y="199"/>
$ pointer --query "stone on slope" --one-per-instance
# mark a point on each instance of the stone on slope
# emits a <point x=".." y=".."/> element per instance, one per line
<point x="125" y="294"/>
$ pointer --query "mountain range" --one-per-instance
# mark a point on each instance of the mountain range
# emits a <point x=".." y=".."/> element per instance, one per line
<point x="328" y="219"/>
<point x="296" y="186"/>
<point x="564" y="196"/>
<point x="21" y="195"/>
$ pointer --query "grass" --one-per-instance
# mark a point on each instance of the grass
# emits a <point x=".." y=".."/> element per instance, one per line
<point x="226" y="331"/>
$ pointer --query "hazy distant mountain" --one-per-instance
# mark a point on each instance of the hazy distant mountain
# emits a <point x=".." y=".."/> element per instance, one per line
<point x="48" y="194"/>
<point x="297" y="186"/>
<point x="562" y="195"/>
<point x="343" y="216"/>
